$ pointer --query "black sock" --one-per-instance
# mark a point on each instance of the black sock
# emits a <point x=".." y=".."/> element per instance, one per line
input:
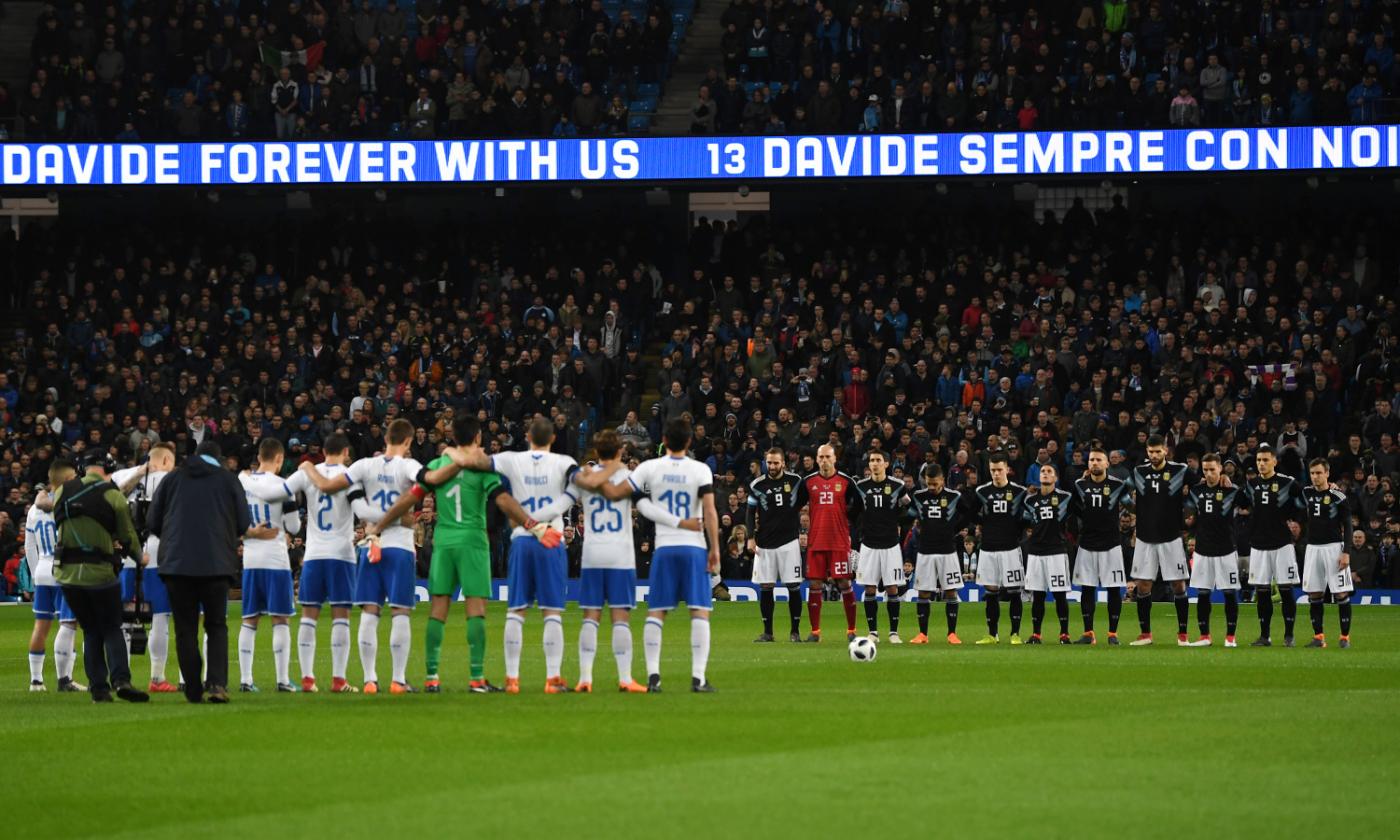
<point x="1115" y="608"/>
<point x="1264" y="603"/>
<point x="1203" y="612"/>
<point x="1037" y="611"/>
<point x="872" y="612"/>
<point x="1062" y="611"/>
<point x="1232" y="611"/>
<point x="950" y="608"/>
<point x="1290" y="609"/>
<point x="993" y="612"/>
<point x="892" y="603"/>
<point x="1016" y="608"/>
<point x="795" y="608"/>
<point x="1183" y="613"/>
<point x="1144" y="607"/>
<point x="1088" y="602"/>
<point x="765" y="608"/>
<point x="1315" y="613"/>
<point x="1344" y="615"/>
<point x="922" y="607"/>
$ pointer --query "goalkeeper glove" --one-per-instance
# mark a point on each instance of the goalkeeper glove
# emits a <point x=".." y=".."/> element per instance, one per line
<point x="371" y="544"/>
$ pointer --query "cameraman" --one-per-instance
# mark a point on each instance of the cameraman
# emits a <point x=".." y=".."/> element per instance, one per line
<point x="92" y="515"/>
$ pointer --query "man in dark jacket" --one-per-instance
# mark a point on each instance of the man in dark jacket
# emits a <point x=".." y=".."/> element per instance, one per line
<point x="199" y="513"/>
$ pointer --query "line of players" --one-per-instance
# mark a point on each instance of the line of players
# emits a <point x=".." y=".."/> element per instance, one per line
<point x="675" y="491"/>
<point x="1026" y="534"/>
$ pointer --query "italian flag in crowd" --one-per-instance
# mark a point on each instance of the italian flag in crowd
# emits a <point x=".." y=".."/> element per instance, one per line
<point x="309" y="57"/>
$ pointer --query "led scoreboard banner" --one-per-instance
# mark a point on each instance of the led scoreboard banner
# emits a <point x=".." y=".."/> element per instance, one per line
<point x="703" y="158"/>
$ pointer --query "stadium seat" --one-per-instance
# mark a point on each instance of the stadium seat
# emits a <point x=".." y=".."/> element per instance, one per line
<point x="638" y="123"/>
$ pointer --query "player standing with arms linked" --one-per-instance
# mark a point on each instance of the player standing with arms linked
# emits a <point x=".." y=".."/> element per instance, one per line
<point x="1099" y="500"/>
<point x="139" y="485"/>
<point x="1215" y="564"/>
<point x="828" y="495"/>
<point x="999" y="568"/>
<point x="878" y="507"/>
<point x="773" y="520"/>
<point x="267" y="567"/>
<point x="1046" y="508"/>
<point x="1326" y="566"/>
<point x="681" y="566"/>
<point x="1273" y="499"/>
<point x="937" y="569"/>
<point x="40" y="538"/>
<point x="1160" y="487"/>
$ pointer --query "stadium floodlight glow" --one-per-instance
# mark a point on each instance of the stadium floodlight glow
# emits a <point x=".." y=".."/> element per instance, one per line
<point x="1022" y="154"/>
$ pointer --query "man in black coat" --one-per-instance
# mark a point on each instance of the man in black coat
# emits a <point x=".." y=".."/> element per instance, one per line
<point x="199" y="513"/>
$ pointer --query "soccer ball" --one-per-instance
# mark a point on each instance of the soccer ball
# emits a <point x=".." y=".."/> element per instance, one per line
<point x="863" y="650"/>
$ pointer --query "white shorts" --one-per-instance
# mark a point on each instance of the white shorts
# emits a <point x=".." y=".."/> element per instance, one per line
<point x="778" y="565"/>
<point x="1169" y="558"/>
<point x="937" y="572"/>
<point x="1000" y="568"/>
<point x="1322" y="571"/>
<point x="1273" y="565"/>
<point x="1047" y="572"/>
<point x="1218" y="573"/>
<point x="879" y="565"/>
<point x="1099" y="568"/>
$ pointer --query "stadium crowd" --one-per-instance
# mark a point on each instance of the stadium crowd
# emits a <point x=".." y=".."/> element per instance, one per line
<point x="935" y="336"/>
<point x="565" y="68"/>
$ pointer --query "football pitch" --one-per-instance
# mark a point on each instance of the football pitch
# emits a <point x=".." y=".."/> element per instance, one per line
<point x="799" y="742"/>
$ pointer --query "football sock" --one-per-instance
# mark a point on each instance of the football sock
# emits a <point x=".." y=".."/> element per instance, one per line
<point x="63" y="651"/>
<point x="699" y="647"/>
<point x="1115" y="607"/>
<point x="622" y="649"/>
<point x="340" y="646"/>
<point x="765" y="608"/>
<point x="848" y="603"/>
<point x="587" y="649"/>
<point x="1344" y="615"/>
<point x="476" y="645"/>
<point x="1315" y="613"/>
<point x="553" y="645"/>
<point x="651" y="645"/>
<point x="1290" y="609"/>
<point x="514" y="636"/>
<point x="1037" y="611"/>
<point x="923" y="608"/>
<point x="1264" y="602"/>
<point x="1016" y="608"/>
<point x="814" y="607"/>
<point x="1144" y="608"/>
<point x="1088" y="602"/>
<point x="306" y="646"/>
<point x="36" y="666"/>
<point x="951" y="610"/>
<point x="282" y="652"/>
<point x="892" y="608"/>
<point x="1183" y="612"/>
<point x="1232" y="611"/>
<point x="246" y="637"/>
<point x="1062" y="611"/>
<point x="159" y="647"/>
<point x="400" y="641"/>
<point x="795" y="608"/>
<point x="872" y="612"/>
<point x="1203" y="611"/>
<point x="432" y="645"/>
<point x="369" y="646"/>
<point x="993" y="612"/>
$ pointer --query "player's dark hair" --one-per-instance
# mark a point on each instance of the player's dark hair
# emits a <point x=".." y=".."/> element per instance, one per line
<point x="876" y="453"/>
<point x="399" y="432"/>
<point x="677" y="434"/>
<point x="541" y="432"/>
<point x="931" y="471"/>
<point x="336" y="443"/>
<point x="1098" y="447"/>
<point x="1320" y="462"/>
<point x="607" y="443"/>
<point x="269" y="448"/>
<point x="465" y="430"/>
<point x="1263" y="449"/>
<point x="1211" y="458"/>
<point x="1156" y="440"/>
<point x="61" y="469"/>
<point x="998" y="457"/>
<point x="777" y="450"/>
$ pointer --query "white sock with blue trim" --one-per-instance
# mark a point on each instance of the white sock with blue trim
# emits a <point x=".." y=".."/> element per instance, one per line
<point x="400" y="642"/>
<point x="587" y="649"/>
<point x="247" y="636"/>
<point x="651" y="645"/>
<point x="553" y="646"/>
<point x="699" y="647"/>
<point x="622" y="651"/>
<point x="36" y="666"/>
<point x="340" y="647"/>
<point x="369" y="646"/>
<point x="282" y="652"/>
<point x="306" y="647"/>
<point x="159" y="647"/>
<point x="514" y="637"/>
<point x="63" y="651"/>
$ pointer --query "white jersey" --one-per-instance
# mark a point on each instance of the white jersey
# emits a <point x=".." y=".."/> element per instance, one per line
<point x="607" y="529"/>
<point x="383" y="478"/>
<point x="330" y="525"/>
<point x="144" y="491"/>
<point x="40" y="537"/>
<point x="676" y="484"/>
<point x="536" y="480"/>
<point x="267" y="493"/>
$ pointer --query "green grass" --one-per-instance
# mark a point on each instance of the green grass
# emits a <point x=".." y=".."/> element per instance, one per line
<point x="801" y="742"/>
